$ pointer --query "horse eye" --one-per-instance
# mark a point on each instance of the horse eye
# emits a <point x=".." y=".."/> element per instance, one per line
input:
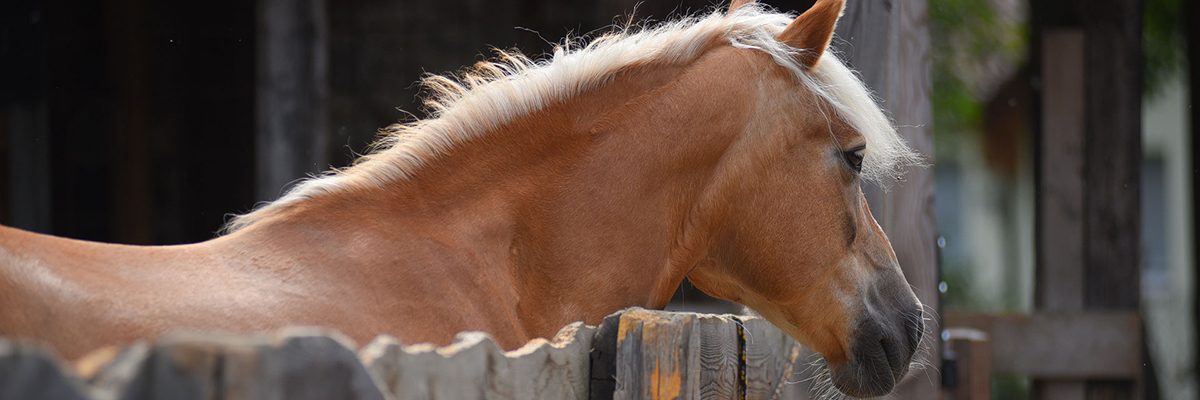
<point x="854" y="158"/>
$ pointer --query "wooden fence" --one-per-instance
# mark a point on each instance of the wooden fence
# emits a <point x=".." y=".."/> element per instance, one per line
<point x="633" y="354"/>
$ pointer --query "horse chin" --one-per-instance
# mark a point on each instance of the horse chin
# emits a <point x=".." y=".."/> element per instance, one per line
<point x="869" y="373"/>
<point x="857" y="380"/>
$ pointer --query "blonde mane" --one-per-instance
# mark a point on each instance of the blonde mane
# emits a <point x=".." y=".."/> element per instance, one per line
<point x="493" y="93"/>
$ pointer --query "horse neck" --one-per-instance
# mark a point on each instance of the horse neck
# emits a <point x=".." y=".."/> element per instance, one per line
<point x="581" y="209"/>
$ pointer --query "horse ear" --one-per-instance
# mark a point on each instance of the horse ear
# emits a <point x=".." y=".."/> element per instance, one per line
<point x="737" y="3"/>
<point x="812" y="31"/>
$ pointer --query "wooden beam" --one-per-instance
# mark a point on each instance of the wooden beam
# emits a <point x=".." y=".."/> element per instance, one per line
<point x="1108" y="73"/>
<point x="1059" y="281"/>
<point x="1061" y="346"/>
<point x="1113" y="154"/>
<point x="1059" y="276"/>
<point x="292" y="93"/>
<point x="911" y="217"/>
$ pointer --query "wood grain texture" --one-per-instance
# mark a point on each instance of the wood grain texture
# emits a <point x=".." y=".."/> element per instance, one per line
<point x="719" y="357"/>
<point x="862" y="38"/>
<point x="658" y="355"/>
<point x="911" y="222"/>
<point x="767" y="363"/>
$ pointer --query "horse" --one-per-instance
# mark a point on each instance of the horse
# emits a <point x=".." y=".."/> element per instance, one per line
<point x="726" y="148"/>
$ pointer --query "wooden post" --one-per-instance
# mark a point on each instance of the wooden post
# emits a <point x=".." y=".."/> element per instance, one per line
<point x="1059" y="277"/>
<point x="1113" y="167"/>
<point x="292" y="114"/>
<point x="888" y="42"/>
<point x="1088" y="58"/>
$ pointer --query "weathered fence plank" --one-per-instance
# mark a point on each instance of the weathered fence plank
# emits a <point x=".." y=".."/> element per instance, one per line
<point x="30" y="372"/>
<point x="474" y="367"/>
<point x="298" y="364"/>
<point x="658" y="355"/>
<point x="1062" y="346"/>
<point x="771" y="359"/>
<point x="604" y="358"/>
<point x="719" y="357"/>
<point x="634" y="354"/>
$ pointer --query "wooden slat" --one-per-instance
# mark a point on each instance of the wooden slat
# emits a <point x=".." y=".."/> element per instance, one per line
<point x="33" y="372"/>
<point x="658" y="355"/>
<point x="1113" y="170"/>
<point x="911" y="220"/>
<point x="1059" y="276"/>
<point x="474" y="367"/>
<point x="768" y="365"/>
<point x="1061" y="346"/>
<point x="299" y="363"/>
<point x="1105" y="78"/>
<point x="1113" y="154"/>
<point x="603" y="358"/>
<point x="1059" y="282"/>
<point x="719" y="357"/>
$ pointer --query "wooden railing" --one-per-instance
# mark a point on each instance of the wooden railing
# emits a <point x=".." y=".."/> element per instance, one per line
<point x="1051" y="347"/>
<point x="633" y="354"/>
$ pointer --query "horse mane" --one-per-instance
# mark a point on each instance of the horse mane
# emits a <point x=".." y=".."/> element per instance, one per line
<point x="491" y="93"/>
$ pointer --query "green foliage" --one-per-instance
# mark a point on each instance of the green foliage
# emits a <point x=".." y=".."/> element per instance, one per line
<point x="958" y="283"/>
<point x="1163" y="43"/>
<point x="969" y="39"/>
<point x="1010" y="387"/>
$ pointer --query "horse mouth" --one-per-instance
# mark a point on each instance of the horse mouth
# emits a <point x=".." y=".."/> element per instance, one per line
<point x="864" y="379"/>
<point x="876" y="364"/>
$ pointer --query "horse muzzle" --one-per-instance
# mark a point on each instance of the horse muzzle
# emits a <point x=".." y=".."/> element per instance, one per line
<point x="880" y="354"/>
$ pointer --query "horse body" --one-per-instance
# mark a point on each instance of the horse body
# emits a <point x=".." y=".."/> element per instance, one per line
<point x="496" y="238"/>
<point x="717" y="159"/>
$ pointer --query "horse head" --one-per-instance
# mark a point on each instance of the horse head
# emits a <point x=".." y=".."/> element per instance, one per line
<point x="790" y="233"/>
